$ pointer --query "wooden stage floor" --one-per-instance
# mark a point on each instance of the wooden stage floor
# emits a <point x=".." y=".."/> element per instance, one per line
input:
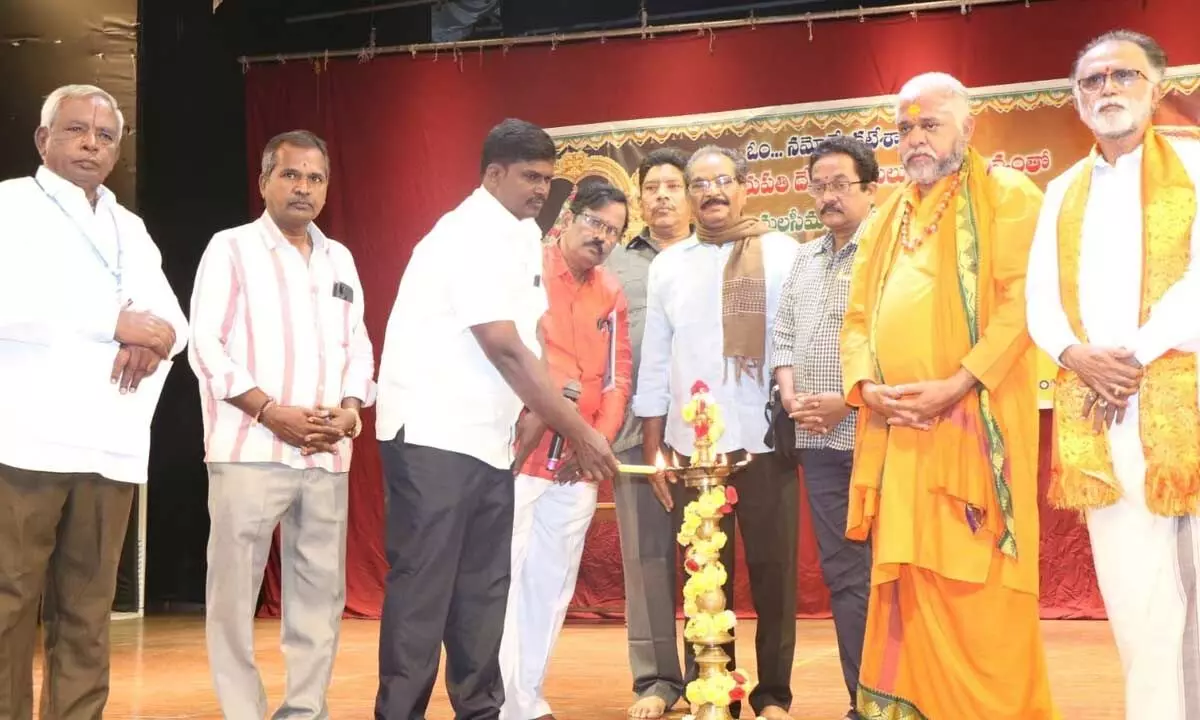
<point x="160" y="671"/>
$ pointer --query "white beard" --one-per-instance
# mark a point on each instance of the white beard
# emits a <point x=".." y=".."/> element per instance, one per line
<point x="930" y="173"/>
<point x="1115" y="124"/>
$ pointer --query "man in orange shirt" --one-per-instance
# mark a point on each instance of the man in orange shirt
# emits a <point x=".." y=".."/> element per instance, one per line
<point x="585" y="340"/>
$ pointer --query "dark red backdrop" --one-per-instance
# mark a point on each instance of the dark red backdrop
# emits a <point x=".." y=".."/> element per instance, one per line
<point x="405" y="135"/>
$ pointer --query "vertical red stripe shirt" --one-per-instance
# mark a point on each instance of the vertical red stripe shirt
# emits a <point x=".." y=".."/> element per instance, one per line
<point x="263" y="317"/>
<point x="585" y="336"/>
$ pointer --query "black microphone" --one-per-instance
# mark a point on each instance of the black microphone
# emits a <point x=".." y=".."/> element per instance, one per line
<point x="572" y="391"/>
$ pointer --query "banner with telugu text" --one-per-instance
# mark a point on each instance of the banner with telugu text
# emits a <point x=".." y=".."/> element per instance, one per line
<point x="1031" y="127"/>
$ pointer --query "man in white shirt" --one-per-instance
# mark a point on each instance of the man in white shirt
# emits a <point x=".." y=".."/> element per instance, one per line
<point x="711" y="305"/>
<point x="459" y="361"/>
<point x="649" y="551"/>
<point x="1113" y="294"/>
<point x="88" y="324"/>
<point x="285" y="365"/>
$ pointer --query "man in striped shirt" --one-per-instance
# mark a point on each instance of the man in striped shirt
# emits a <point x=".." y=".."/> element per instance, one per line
<point x="285" y="364"/>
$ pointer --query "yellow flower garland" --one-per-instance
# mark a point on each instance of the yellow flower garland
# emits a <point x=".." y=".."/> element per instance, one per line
<point x="706" y="573"/>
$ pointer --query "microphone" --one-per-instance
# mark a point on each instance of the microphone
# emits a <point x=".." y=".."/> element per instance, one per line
<point x="571" y="391"/>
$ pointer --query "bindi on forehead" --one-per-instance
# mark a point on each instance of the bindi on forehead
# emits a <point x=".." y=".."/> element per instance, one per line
<point x="1113" y="56"/>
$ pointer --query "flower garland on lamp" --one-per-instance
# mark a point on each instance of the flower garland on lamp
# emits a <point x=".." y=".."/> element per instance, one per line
<point x="710" y="623"/>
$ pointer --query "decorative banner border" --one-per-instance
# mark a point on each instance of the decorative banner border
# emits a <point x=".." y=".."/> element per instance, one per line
<point x="858" y="112"/>
<point x="1031" y="127"/>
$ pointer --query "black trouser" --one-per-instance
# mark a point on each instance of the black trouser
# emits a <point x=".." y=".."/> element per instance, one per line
<point x="766" y="512"/>
<point x="449" y="544"/>
<point x="845" y="564"/>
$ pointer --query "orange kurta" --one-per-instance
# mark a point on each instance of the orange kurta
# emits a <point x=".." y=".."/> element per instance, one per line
<point x="952" y="627"/>
<point x="585" y="337"/>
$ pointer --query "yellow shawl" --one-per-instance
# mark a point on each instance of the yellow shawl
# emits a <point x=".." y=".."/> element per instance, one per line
<point x="1168" y="413"/>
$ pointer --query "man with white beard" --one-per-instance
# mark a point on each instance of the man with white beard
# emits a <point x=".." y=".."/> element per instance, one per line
<point x="937" y="359"/>
<point x="1113" y="294"/>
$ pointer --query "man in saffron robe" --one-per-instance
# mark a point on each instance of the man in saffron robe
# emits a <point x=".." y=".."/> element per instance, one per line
<point x="1114" y="296"/>
<point x="936" y="355"/>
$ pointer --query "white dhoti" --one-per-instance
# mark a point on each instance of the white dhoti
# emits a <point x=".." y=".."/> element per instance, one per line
<point x="550" y="523"/>
<point x="1147" y="566"/>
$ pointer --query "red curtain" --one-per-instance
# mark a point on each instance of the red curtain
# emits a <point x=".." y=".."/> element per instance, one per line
<point x="404" y="133"/>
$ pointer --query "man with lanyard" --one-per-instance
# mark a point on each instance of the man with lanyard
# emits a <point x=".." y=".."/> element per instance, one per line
<point x="1113" y="295"/>
<point x="648" y="546"/>
<point x="808" y="368"/>
<point x="88" y="324"/>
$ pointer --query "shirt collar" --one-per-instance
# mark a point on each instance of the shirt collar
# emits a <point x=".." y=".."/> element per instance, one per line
<point x="482" y="203"/>
<point x="1134" y="156"/>
<point x="643" y="239"/>
<point x="274" y="238"/>
<point x="827" y="239"/>
<point x="488" y="204"/>
<point x="59" y="187"/>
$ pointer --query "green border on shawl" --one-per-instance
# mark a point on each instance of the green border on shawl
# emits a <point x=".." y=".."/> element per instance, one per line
<point x="967" y="256"/>
<point x="878" y="705"/>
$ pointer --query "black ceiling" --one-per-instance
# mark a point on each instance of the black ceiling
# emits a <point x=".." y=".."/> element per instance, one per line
<point x="263" y="27"/>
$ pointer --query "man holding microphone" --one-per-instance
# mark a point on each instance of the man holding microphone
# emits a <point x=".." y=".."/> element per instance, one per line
<point x="459" y="361"/>
<point x="585" y="341"/>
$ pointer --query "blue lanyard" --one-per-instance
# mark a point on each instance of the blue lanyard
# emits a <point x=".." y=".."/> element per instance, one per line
<point x="114" y="271"/>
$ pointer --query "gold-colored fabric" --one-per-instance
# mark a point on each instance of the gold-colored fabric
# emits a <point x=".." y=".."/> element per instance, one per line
<point x="952" y="512"/>
<point x="743" y="295"/>
<point x="1168" y="413"/>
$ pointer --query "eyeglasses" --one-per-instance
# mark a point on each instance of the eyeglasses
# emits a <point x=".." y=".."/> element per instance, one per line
<point x="599" y="226"/>
<point x="703" y="185"/>
<point x="1121" y="77"/>
<point x="837" y="187"/>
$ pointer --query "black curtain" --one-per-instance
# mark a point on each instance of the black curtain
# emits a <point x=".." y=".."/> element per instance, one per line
<point x="191" y="184"/>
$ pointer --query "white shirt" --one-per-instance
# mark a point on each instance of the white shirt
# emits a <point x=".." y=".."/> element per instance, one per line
<point x="479" y="264"/>
<point x="1110" y="285"/>
<point x="1110" y="266"/>
<point x="59" y="303"/>
<point x="684" y="339"/>
<point x="263" y="317"/>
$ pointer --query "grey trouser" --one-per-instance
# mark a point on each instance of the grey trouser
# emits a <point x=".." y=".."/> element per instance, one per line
<point x="845" y="564"/>
<point x="648" y="556"/>
<point x="246" y="501"/>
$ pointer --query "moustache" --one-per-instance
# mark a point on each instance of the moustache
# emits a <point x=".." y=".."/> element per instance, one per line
<point x="831" y="207"/>
<point x="1107" y="103"/>
<point x="714" y="201"/>
<point x="919" y="153"/>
